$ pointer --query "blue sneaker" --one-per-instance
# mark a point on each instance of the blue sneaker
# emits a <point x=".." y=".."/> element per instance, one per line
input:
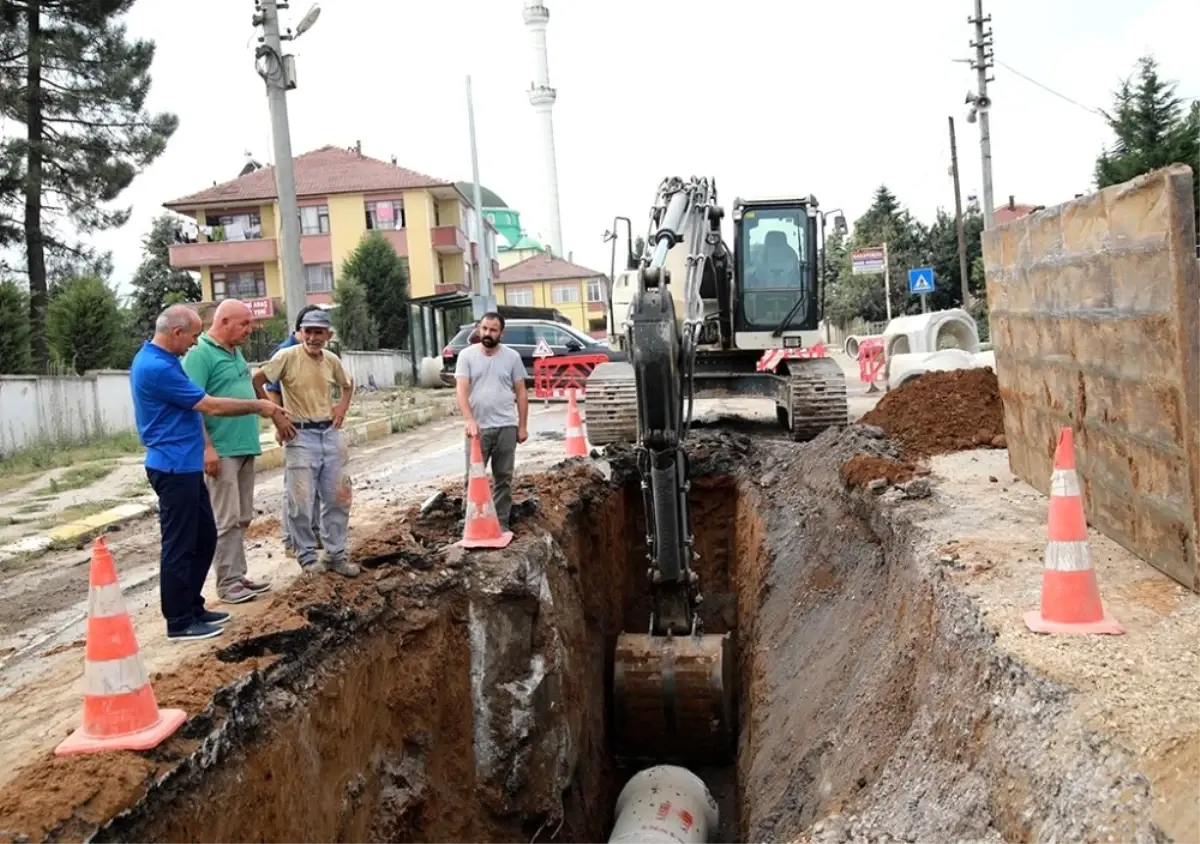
<point x="195" y="632"/>
<point x="212" y="617"/>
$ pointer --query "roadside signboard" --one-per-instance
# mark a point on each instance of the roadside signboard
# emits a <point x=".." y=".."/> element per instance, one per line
<point x="870" y="261"/>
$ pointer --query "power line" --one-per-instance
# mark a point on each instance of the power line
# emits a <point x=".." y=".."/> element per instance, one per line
<point x="1094" y="111"/>
<point x="1012" y="69"/>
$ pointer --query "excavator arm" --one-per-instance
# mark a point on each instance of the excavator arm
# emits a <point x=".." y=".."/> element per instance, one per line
<point x="673" y="685"/>
<point x="663" y="354"/>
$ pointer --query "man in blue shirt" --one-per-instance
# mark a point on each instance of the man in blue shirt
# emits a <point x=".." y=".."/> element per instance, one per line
<point x="169" y="411"/>
<point x="276" y="395"/>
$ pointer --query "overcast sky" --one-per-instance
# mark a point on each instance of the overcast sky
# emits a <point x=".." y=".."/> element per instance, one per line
<point x="770" y="97"/>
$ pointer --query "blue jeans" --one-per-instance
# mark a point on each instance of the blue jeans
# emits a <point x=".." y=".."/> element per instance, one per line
<point x="189" y="539"/>
<point x="314" y="462"/>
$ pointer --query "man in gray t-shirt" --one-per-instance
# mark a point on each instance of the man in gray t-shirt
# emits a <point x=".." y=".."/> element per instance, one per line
<point x="488" y="376"/>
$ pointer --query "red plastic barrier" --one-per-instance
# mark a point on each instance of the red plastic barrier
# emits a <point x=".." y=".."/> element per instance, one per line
<point x="553" y="377"/>
<point x="870" y="361"/>
<point x="771" y="358"/>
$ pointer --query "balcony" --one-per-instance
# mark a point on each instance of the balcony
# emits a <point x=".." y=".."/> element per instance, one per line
<point x="448" y="240"/>
<point x="187" y="256"/>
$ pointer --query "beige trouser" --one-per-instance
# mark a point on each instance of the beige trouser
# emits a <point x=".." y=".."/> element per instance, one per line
<point x="232" y="494"/>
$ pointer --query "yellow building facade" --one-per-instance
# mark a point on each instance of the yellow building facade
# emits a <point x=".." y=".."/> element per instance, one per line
<point x="543" y="281"/>
<point x="342" y="196"/>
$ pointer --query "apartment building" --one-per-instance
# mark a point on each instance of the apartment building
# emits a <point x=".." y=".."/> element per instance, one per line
<point x="544" y="281"/>
<point x="342" y="195"/>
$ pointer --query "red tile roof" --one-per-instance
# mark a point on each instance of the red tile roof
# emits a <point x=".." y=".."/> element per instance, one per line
<point x="322" y="172"/>
<point x="544" y="267"/>
<point x="1008" y="213"/>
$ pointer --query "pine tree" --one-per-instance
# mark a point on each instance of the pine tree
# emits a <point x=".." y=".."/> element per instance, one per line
<point x="85" y="326"/>
<point x="384" y="276"/>
<point x="352" y="317"/>
<point x="14" y="330"/>
<point x="156" y="283"/>
<point x="72" y="78"/>
<point x="1151" y="127"/>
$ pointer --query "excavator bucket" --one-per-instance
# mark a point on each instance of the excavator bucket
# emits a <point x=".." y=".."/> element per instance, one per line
<point x="674" y="699"/>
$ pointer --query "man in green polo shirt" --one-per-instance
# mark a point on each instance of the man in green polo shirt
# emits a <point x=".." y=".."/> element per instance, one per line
<point x="231" y="443"/>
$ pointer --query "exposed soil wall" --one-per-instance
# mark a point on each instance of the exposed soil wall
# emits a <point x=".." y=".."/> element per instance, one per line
<point x="453" y="696"/>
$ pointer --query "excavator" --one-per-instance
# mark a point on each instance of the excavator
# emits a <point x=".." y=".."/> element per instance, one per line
<point x="737" y="326"/>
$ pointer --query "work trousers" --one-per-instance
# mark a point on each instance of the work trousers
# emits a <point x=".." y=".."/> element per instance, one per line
<point x="288" y="542"/>
<point x="315" y="461"/>
<point x="189" y="538"/>
<point x="499" y="446"/>
<point x="232" y="495"/>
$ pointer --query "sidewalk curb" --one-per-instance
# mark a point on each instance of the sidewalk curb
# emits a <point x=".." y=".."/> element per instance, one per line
<point x="271" y="458"/>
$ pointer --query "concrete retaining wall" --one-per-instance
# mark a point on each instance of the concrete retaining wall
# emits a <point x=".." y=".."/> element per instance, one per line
<point x="1095" y="316"/>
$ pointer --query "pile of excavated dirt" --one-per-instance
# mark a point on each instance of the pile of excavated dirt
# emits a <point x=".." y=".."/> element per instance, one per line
<point x="940" y="412"/>
<point x="861" y="469"/>
<point x="454" y="695"/>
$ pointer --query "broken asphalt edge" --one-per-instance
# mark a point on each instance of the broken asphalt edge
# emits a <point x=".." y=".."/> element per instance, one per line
<point x="84" y="529"/>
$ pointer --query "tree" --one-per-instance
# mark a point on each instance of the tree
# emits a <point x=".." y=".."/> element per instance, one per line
<point x="352" y="317"/>
<point x="943" y="257"/>
<point x="384" y="276"/>
<point x="1151" y="127"/>
<point x="14" y="329"/>
<point x="156" y="283"/>
<point x="85" y="327"/>
<point x="72" y="78"/>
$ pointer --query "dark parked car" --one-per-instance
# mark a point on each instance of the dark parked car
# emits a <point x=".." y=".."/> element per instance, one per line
<point x="523" y="336"/>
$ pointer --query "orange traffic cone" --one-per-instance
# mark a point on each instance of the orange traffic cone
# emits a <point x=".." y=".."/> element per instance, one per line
<point x="119" y="708"/>
<point x="481" y="528"/>
<point x="1070" y="594"/>
<point x="576" y="442"/>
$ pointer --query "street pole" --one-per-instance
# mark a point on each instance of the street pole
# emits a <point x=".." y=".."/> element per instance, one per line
<point x="983" y="60"/>
<point x="958" y="220"/>
<point x="275" y="76"/>
<point x="485" y="261"/>
<point x="887" y="282"/>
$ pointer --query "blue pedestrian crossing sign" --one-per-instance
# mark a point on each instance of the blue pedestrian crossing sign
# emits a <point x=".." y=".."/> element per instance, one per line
<point x="920" y="281"/>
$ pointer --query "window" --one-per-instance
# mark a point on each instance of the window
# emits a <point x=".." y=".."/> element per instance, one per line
<point x="314" y="219"/>
<point x="775" y="249"/>
<point x="521" y="298"/>
<point x="247" y="284"/>
<point x="246" y="226"/>
<point x="387" y="215"/>
<point x="595" y="290"/>
<point x="318" y="278"/>
<point x="777" y="270"/>
<point x="565" y="294"/>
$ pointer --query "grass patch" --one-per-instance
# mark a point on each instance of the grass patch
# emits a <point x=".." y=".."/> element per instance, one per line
<point x="19" y="468"/>
<point x="79" y="511"/>
<point x="79" y="477"/>
<point x="31" y="508"/>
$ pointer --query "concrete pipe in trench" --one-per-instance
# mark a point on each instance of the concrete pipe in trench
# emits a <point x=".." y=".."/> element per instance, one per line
<point x="664" y="803"/>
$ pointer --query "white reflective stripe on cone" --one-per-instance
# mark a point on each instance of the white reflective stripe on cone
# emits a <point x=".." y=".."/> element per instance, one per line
<point x="106" y="601"/>
<point x="1068" y="556"/>
<point x="478" y="470"/>
<point x="114" y="676"/>
<point x="1064" y="483"/>
<point x="574" y="432"/>
<point x="479" y="511"/>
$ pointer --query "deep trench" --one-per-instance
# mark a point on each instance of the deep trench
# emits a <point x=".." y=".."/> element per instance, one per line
<point x="370" y="729"/>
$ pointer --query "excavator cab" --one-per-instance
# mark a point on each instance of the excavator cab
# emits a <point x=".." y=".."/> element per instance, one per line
<point x="775" y="287"/>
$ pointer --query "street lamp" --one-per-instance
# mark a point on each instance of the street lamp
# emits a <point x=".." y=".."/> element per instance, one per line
<point x="279" y="73"/>
<point x="611" y="237"/>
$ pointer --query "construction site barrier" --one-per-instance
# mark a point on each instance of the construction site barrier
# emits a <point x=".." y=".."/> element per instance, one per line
<point x="870" y="360"/>
<point x="555" y="377"/>
<point x="771" y="358"/>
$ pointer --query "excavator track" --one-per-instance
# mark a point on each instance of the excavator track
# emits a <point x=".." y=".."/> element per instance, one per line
<point x="611" y="407"/>
<point x="817" y="397"/>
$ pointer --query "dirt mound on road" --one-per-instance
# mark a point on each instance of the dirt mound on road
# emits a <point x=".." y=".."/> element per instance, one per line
<point x="941" y="412"/>
<point x="861" y="469"/>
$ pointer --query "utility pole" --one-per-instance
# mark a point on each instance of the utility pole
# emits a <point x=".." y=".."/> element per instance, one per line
<point x="982" y="104"/>
<point x="958" y="220"/>
<point x="279" y="73"/>
<point x="887" y="282"/>
<point x="484" y="302"/>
